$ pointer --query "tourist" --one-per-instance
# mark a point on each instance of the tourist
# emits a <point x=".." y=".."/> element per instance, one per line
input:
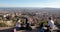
<point x="51" y="24"/>
<point x="17" y="25"/>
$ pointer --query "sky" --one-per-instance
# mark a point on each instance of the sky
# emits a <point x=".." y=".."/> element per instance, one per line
<point x="30" y="3"/>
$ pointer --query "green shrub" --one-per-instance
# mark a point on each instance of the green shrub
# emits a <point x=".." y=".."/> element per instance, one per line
<point x="39" y="23"/>
<point x="45" y="22"/>
<point x="3" y="25"/>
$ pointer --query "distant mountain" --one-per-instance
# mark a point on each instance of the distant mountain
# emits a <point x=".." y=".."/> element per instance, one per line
<point x="30" y="9"/>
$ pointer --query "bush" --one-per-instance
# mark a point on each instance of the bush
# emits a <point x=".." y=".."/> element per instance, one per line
<point x="45" y="22"/>
<point x="39" y="23"/>
<point x="3" y="25"/>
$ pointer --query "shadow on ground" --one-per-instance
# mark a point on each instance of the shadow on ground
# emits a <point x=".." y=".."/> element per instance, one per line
<point x="22" y="28"/>
<point x="7" y="30"/>
<point x="11" y="29"/>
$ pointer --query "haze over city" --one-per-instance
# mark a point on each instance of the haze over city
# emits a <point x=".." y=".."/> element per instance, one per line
<point x="30" y="3"/>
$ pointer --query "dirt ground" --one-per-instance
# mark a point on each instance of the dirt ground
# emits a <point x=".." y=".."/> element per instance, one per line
<point x="9" y="29"/>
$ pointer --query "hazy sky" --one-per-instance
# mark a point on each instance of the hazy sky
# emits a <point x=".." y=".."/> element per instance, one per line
<point x="30" y="3"/>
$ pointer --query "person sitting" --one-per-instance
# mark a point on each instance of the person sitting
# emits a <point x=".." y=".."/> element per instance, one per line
<point x="17" y="25"/>
<point x="51" y="24"/>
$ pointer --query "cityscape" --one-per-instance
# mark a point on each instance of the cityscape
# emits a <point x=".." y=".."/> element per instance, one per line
<point x="29" y="15"/>
<point x="9" y="16"/>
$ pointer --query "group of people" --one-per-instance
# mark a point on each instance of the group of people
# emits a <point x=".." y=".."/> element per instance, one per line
<point x="50" y="25"/>
<point x="23" y="26"/>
